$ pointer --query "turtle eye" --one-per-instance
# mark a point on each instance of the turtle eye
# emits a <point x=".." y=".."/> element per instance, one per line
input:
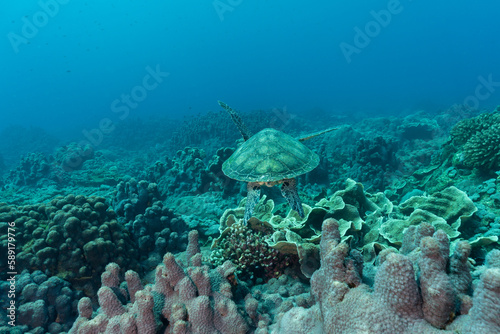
<point x="285" y="184"/>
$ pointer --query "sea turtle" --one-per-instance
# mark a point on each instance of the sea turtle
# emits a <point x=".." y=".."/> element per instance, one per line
<point x="269" y="157"/>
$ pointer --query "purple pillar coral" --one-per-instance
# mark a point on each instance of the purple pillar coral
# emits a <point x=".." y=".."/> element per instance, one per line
<point x="85" y="307"/>
<point x="85" y="313"/>
<point x="110" y="304"/>
<point x="460" y="275"/>
<point x="395" y="305"/>
<point x="193" y="247"/>
<point x="397" y="291"/>
<point x="201" y="316"/>
<point x="146" y="322"/>
<point x="437" y="291"/>
<point x="184" y="300"/>
<point x="484" y="316"/>
<point x="493" y="259"/>
<point x="335" y="265"/>
<point x="460" y="268"/>
<point x="173" y="271"/>
<point x="227" y="319"/>
<point x="200" y="277"/>
<point x="110" y="277"/>
<point x="133" y="284"/>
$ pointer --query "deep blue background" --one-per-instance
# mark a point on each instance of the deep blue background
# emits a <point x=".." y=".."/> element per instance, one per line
<point x="256" y="55"/>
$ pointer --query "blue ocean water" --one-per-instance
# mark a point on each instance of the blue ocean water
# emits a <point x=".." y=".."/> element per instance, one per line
<point x="66" y="63"/>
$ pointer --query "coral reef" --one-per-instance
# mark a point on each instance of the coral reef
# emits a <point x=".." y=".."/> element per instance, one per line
<point x="31" y="169"/>
<point x="359" y="213"/>
<point x="374" y="160"/>
<point x="188" y="174"/>
<point x="483" y="149"/>
<point x="156" y="231"/>
<point x="214" y="171"/>
<point x="190" y="300"/>
<point x="184" y="175"/>
<point x="247" y="249"/>
<point x="132" y="198"/>
<point x="379" y="151"/>
<point x="464" y="130"/>
<point x="412" y="249"/>
<point x="72" y="156"/>
<point x="211" y="130"/>
<point x="398" y="303"/>
<point x="446" y="210"/>
<point x="418" y="126"/>
<point x="201" y="212"/>
<point x="73" y="237"/>
<point x="154" y="227"/>
<point x="476" y="142"/>
<point x="265" y="302"/>
<point x="46" y="305"/>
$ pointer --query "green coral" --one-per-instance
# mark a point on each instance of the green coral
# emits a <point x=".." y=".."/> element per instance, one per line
<point x="445" y="210"/>
<point x="464" y="130"/>
<point x="478" y="141"/>
<point x="483" y="149"/>
<point x="244" y="245"/>
<point x="295" y="236"/>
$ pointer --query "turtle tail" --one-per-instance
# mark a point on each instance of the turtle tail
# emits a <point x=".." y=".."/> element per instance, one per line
<point x="237" y="120"/>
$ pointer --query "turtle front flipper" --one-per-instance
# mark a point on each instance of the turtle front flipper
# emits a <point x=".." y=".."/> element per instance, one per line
<point x="253" y="196"/>
<point x="289" y="191"/>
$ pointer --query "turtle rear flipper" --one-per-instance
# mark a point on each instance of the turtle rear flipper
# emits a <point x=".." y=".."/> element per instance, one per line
<point x="289" y="191"/>
<point x="237" y="120"/>
<point x="253" y="196"/>
<point x="312" y="135"/>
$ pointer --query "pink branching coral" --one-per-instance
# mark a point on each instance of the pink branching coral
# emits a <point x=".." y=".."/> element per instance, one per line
<point x="253" y="257"/>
